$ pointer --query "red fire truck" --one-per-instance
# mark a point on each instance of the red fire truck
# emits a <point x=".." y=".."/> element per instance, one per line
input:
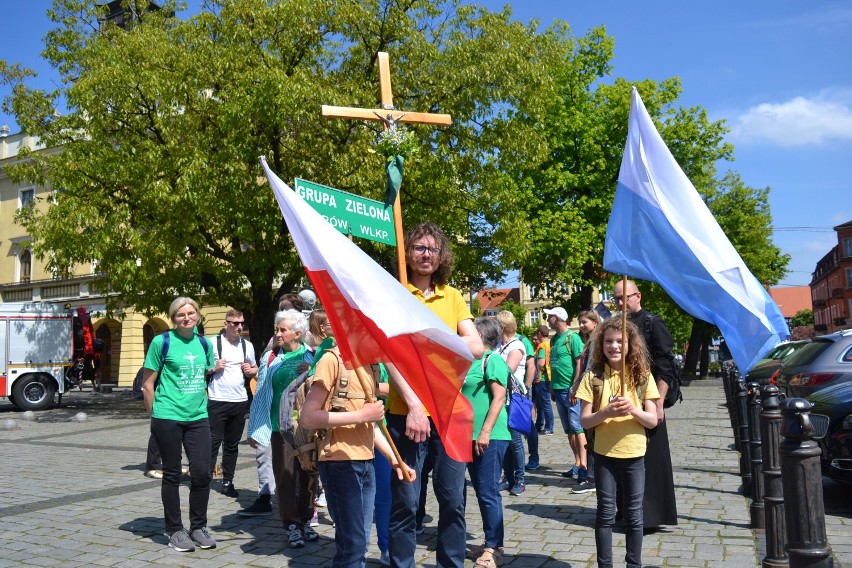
<point x="45" y="349"/>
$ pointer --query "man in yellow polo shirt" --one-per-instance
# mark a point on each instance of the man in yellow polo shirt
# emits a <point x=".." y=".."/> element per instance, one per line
<point x="430" y="260"/>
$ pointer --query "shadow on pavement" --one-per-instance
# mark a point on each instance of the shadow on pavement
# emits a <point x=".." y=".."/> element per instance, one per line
<point x="579" y="514"/>
<point x="696" y="488"/>
<point x="146" y="527"/>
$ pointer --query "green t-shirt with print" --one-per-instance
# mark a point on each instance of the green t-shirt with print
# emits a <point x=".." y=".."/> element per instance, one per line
<point x="281" y="378"/>
<point x="181" y="392"/>
<point x="477" y="390"/>
<point x="564" y="349"/>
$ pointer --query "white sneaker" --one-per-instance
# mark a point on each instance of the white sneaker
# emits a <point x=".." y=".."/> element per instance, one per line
<point x="321" y="501"/>
<point x="154" y="473"/>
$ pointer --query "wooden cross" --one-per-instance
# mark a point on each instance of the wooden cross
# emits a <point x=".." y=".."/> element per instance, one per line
<point x="389" y="116"/>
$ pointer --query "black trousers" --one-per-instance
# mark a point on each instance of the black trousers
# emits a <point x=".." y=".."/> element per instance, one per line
<point x="227" y="421"/>
<point x="194" y="438"/>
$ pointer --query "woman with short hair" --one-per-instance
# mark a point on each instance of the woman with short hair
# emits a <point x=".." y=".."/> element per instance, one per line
<point x="278" y="367"/>
<point x="175" y="392"/>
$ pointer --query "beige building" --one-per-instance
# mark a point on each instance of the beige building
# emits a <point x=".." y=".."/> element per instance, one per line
<point x="126" y="334"/>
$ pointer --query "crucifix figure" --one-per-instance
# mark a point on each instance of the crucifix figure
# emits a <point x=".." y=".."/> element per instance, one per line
<point x="390" y="117"/>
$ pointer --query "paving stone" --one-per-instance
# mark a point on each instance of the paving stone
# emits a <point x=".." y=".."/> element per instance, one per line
<point x="112" y="516"/>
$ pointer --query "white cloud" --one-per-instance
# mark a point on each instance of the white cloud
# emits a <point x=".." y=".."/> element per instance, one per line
<point x="801" y="121"/>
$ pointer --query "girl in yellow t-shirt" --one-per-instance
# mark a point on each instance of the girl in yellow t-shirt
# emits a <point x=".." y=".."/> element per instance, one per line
<point x="617" y="401"/>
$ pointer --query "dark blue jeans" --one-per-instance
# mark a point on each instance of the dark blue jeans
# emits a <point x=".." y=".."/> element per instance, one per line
<point x="513" y="463"/>
<point x="485" y="478"/>
<point x="541" y="396"/>
<point x="425" y="473"/>
<point x="532" y="446"/>
<point x="629" y="473"/>
<point x="448" y="483"/>
<point x="350" y="490"/>
<point x="383" y="500"/>
<point x="194" y="438"/>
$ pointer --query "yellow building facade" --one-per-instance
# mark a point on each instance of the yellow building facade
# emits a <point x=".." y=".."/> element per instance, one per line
<point x="126" y="334"/>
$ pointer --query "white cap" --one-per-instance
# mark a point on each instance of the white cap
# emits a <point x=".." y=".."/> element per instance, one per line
<point x="558" y="312"/>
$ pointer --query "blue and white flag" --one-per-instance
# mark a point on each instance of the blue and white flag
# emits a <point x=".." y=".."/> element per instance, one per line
<point x="661" y="230"/>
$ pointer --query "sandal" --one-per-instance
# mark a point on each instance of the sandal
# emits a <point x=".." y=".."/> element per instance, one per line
<point x="487" y="559"/>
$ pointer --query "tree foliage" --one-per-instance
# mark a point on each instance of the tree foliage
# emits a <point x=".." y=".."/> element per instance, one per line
<point x="159" y="181"/>
<point x="802" y="318"/>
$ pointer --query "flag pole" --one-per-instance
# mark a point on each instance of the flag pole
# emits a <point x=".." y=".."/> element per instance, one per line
<point x="365" y="386"/>
<point x="623" y="330"/>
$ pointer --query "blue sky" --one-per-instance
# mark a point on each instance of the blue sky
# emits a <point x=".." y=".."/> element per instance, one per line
<point x="779" y="72"/>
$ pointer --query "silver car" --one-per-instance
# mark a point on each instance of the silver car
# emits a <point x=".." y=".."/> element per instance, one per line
<point x="825" y="361"/>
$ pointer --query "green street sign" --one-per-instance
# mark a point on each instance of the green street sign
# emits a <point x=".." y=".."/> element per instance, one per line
<point x="349" y="213"/>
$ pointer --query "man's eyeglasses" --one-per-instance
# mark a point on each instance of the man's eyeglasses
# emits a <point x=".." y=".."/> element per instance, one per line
<point x="235" y="323"/>
<point x="620" y="299"/>
<point x="421" y="249"/>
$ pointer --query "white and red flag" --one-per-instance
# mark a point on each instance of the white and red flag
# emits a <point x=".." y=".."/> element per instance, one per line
<point x="376" y="319"/>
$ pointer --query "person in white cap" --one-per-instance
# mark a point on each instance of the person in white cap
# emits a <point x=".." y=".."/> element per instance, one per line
<point x="565" y="350"/>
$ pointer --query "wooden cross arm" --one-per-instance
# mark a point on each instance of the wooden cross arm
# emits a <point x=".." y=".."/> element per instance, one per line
<point x="396" y="115"/>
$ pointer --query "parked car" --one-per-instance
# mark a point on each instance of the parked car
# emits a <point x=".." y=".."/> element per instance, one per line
<point x="835" y="403"/>
<point x="824" y="362"/>
<point x="765" y="368"/>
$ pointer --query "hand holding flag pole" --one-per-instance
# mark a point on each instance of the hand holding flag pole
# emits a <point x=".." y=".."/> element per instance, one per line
<point x="365" y="381"/>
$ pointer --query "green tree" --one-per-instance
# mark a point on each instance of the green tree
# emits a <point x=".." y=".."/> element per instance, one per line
<point x="802" y="318"/>
<point x="476" y="308"/>
<point x="517" y="310"/>
<point x="158" y="177"/>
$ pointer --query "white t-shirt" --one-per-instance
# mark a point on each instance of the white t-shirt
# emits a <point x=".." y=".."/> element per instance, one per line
<point x="229" y="385"/>
<point x="520" y="371"/>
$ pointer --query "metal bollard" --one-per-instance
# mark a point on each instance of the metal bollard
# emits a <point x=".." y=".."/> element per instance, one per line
<point x="742" y="427"/>
<point x="756" y="509"/>
<point x="773" y="492"/>
<point x="732" y="404"/>
<point x="801" y="478"/>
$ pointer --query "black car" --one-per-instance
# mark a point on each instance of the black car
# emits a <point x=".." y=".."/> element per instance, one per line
<point x="835" y="403"/>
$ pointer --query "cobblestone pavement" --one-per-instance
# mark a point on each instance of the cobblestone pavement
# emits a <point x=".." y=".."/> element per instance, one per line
<point x="73" y="494"/>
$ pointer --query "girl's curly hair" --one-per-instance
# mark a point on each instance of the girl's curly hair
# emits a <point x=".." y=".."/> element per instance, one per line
<point x="636" y="364"/>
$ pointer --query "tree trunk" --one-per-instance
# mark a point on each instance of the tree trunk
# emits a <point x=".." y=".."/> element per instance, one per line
<point x="261" y="317"/>
<point x="693" y="352"/>
<point x="705" y="357"/>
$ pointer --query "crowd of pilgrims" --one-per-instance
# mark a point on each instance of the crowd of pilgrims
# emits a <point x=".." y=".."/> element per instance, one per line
<point x="199" y="393"/>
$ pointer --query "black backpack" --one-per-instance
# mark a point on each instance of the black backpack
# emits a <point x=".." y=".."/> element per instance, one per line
<point x="674" y="394"/>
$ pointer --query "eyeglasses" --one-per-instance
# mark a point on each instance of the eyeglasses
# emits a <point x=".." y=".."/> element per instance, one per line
<point x="421" y="249"/>
<point x="620" y="299"/>
<point x="235" y="323"/>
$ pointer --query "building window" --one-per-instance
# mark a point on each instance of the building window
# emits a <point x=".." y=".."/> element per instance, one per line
<point x="849" y="277"/>
<point x="535" y="318"/>
<point x="847" y="247"/>
<point x="26" y="266"/>
<point x="26" y="198"/>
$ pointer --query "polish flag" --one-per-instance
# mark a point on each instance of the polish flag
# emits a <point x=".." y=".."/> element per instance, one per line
<point x="376" y="319"/>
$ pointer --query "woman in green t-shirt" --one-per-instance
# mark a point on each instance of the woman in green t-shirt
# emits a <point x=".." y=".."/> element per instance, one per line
<point x="175" y="392"/>
<point x="485" y="388"/>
